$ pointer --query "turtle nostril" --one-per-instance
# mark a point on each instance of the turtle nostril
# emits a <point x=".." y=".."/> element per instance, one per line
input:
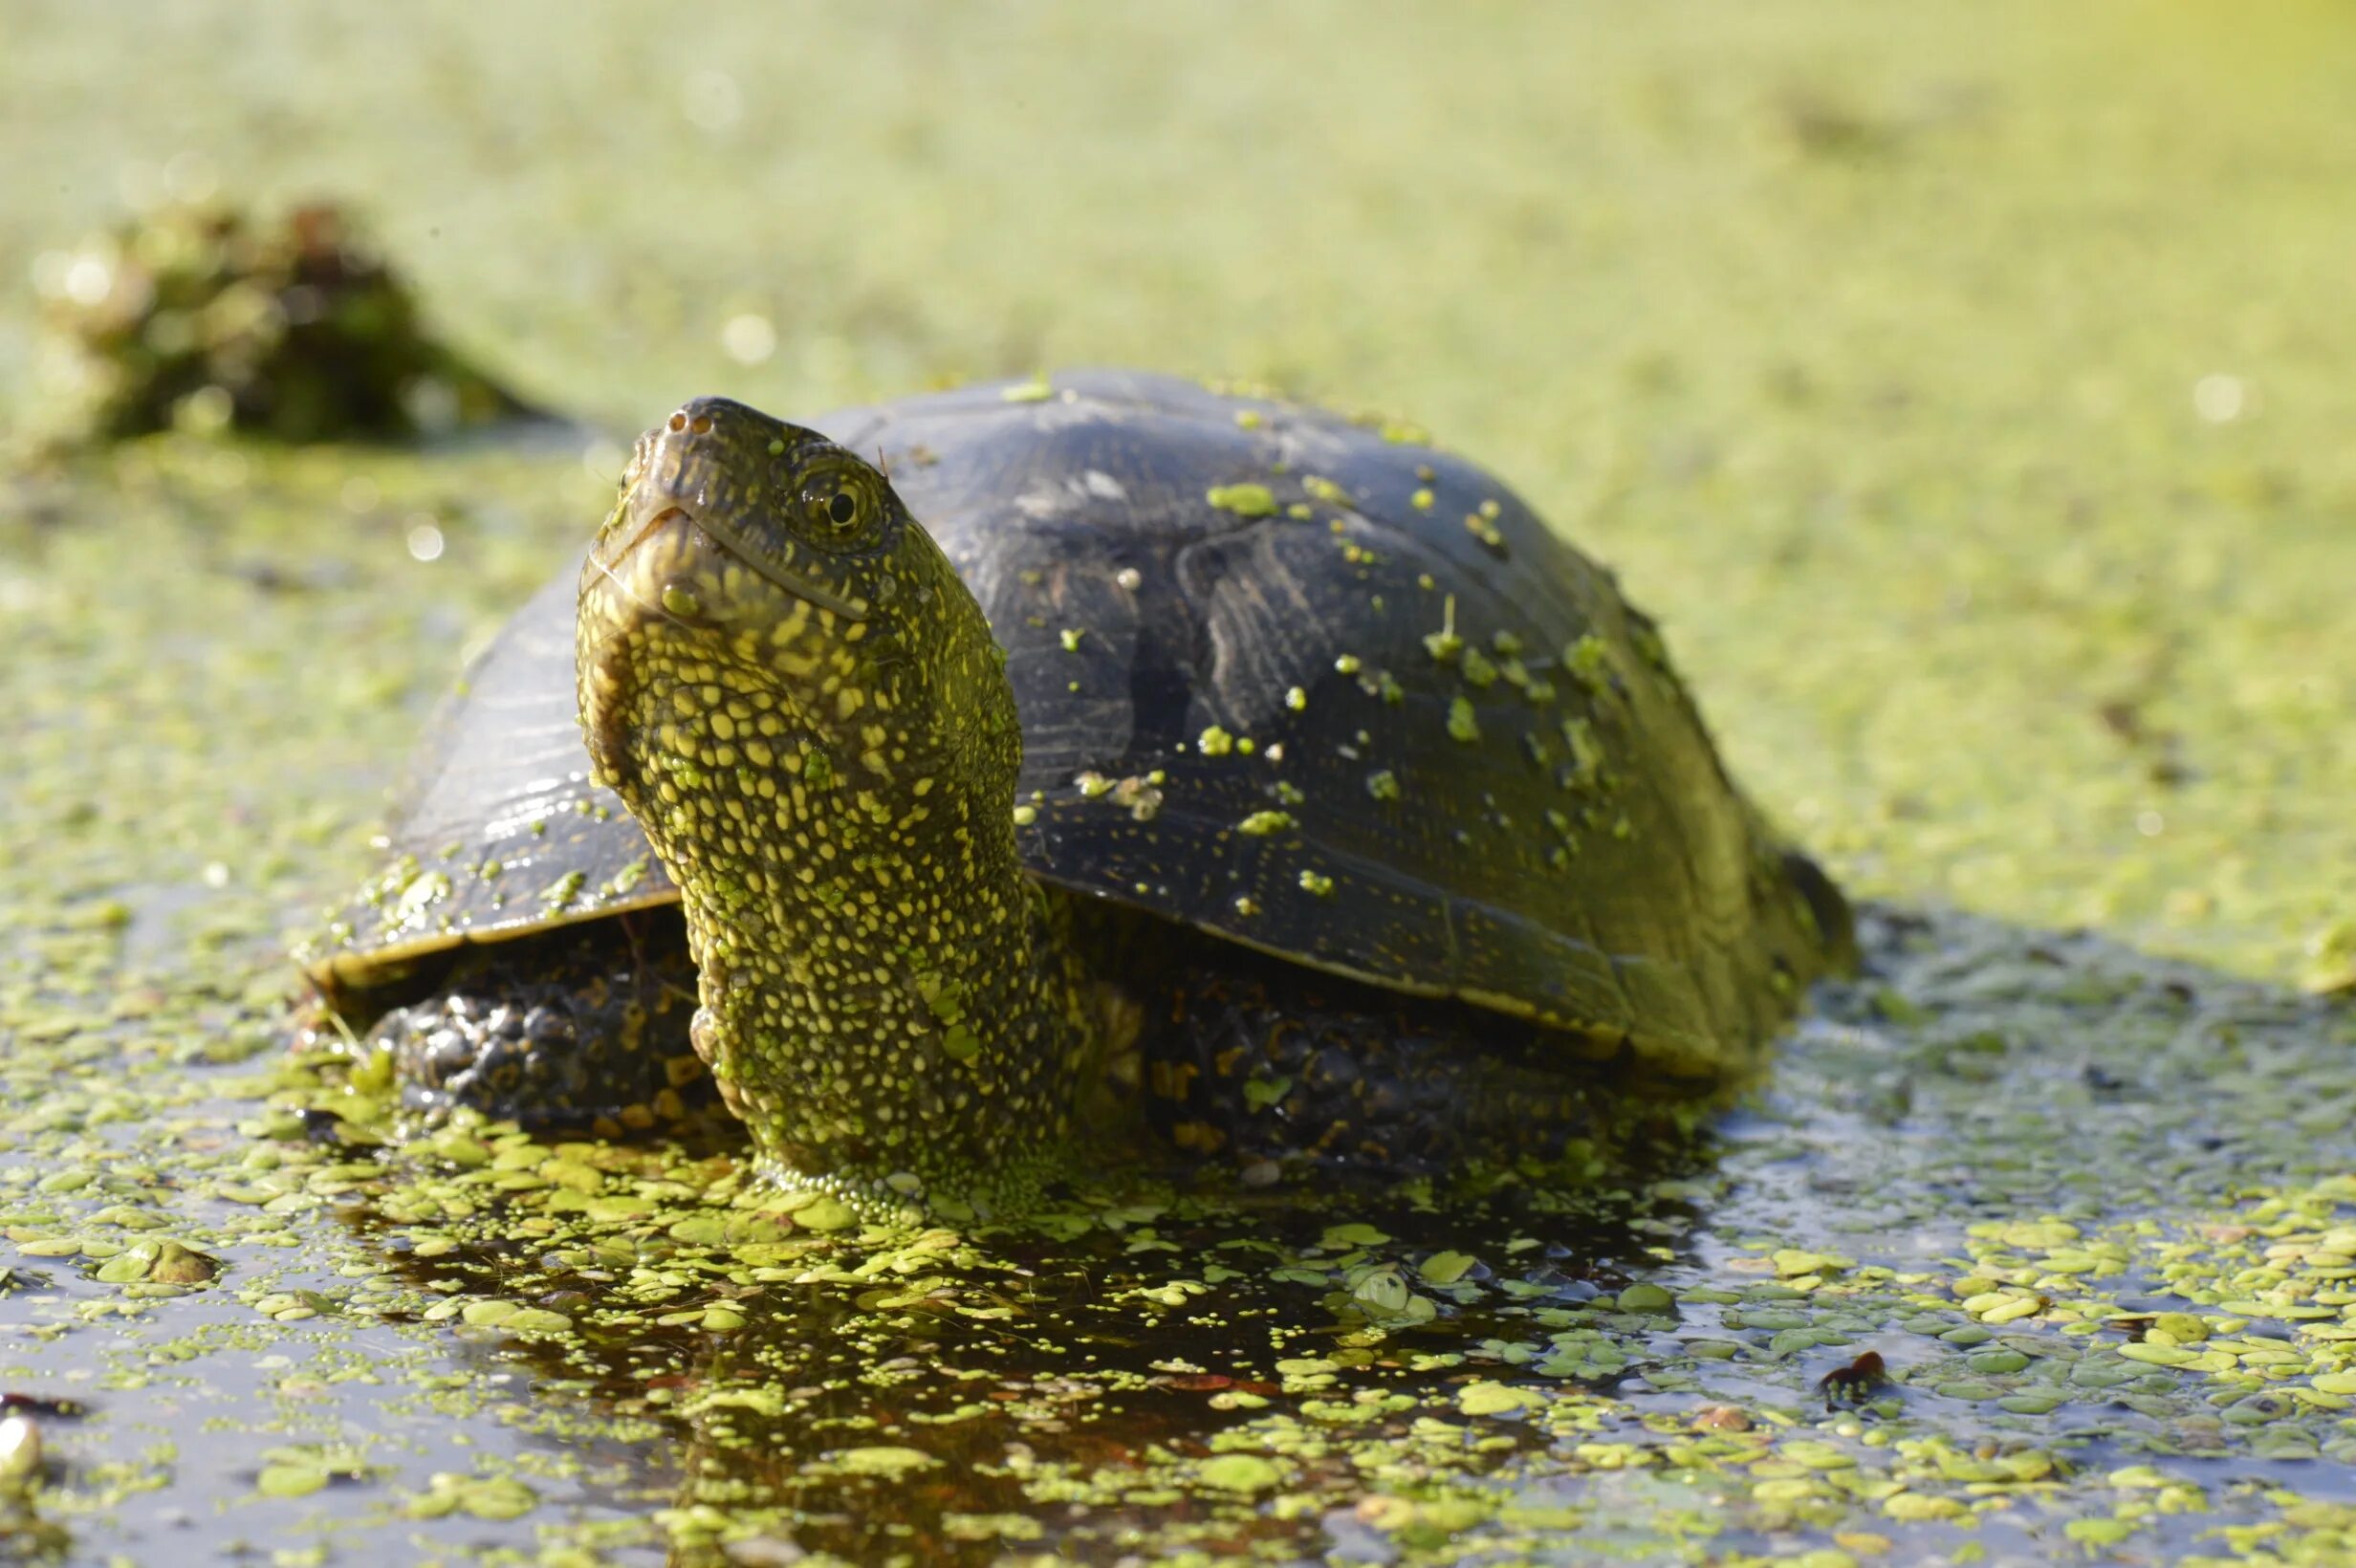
<point x="676" y="422"/>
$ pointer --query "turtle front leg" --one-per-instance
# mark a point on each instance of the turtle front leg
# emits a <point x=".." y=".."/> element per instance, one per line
<point x="582" y="1029"/>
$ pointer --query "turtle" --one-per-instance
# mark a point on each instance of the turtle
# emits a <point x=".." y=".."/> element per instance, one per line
<point x="973" y="778"/>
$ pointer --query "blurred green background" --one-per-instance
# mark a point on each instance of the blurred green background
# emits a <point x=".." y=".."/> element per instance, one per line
<point x="1964" y="387"/>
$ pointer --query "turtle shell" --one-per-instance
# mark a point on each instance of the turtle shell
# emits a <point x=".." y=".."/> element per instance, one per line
<point x="1304" y="681"/>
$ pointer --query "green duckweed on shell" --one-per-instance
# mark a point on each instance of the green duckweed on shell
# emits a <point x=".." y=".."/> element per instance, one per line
<point x="1249" y="499"/>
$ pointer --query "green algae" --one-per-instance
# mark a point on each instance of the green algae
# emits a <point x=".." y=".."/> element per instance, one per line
<point x="2031" y="609"/>
<point x="202" y="317"/>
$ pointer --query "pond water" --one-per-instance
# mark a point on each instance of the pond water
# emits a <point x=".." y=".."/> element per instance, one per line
<point x="1968" y="399"/>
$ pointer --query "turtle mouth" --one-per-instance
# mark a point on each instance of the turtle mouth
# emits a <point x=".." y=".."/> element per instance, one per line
<point x="646" y="516"/>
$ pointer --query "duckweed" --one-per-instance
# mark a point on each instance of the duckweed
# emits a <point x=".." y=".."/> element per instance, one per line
<point x="2109" y="698"/>
<point x="1249" y="499"/>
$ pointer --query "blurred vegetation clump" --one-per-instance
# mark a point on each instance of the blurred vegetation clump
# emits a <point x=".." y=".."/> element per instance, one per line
<point x="200" y="318"/>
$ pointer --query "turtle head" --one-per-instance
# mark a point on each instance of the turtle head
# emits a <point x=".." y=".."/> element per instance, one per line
<point x="800" y="701"/>
<point x="788" y="570"/>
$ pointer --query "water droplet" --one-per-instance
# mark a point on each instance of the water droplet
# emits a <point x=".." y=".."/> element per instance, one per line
<point x="425" y="541"/>
<point x="2220" y="399"/>
<point x="88" y="279"/>
<point x="748" y="340"/>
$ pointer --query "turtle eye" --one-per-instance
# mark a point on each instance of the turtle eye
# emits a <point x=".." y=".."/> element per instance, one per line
<point x="839" y="502"/>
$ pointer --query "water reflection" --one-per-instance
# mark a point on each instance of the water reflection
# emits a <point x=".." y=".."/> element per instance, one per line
<point x="1968" y="1158"/>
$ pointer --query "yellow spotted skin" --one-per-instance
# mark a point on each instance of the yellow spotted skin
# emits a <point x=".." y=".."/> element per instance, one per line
<point x="803" y="706"/>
